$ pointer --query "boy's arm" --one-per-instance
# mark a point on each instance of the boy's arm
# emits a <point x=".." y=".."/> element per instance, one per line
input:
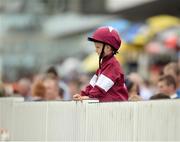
<point x="90" y="86"/>
<point x="86" y="91"/>
<point x="102" y="85"/>
<point x="104" y="82"/>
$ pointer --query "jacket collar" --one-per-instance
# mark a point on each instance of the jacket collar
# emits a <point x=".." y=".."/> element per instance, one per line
<point x="107" y="58"/>
<point x="174" y="96"/>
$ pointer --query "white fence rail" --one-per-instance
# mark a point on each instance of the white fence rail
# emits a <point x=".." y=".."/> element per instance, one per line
<point x="76" y="121"/>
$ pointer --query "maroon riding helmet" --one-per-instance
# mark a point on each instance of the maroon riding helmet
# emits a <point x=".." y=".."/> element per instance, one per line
<point x="107" y="35"/>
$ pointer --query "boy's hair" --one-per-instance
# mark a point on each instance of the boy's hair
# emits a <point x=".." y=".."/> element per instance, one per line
<point x="169" y="80"/>
<point x="159" y="96"/>
<point x="129" y="84"/>
<point x="52" y="70"/>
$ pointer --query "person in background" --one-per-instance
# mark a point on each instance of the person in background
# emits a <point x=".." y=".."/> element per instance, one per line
<point x="38" y="90"/>
<point x="167" y="86"/>
<point x="45" y="88"/>
<point x="159" y="96"/>
<point x="145" y="91"/>
<point x="107" y="84"/>
<point x="173" y="69"/>
<point x="133" y="90"/>
<point x="24" y="89"/>
<point x="74" y="86"/>
<point x="63" y="87"/>
<point x="52" y="92"/>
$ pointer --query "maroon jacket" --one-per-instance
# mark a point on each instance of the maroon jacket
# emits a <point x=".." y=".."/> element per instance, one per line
<point x="108" y="83"/>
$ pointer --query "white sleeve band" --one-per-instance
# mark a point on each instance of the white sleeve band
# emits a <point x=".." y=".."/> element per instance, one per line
<point x="93" y="80"/>
<point x="104" y="82"/>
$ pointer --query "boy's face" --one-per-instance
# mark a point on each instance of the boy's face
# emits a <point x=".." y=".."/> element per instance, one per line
<point x="99" y="46"/>
<point x="52" y="89"/>
<point x="163" y="87"/>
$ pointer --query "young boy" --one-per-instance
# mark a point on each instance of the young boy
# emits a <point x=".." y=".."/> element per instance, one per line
<point x="108" y="83"/>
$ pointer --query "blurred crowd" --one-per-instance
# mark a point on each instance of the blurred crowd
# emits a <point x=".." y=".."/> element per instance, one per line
<point x="49" y="86"/>
<point x="33" y="28"/>
<point x="165" y="86"/>
<point x="45" y="86"/>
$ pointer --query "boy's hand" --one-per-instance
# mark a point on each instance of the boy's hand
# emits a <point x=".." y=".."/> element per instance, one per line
<point x="77" y="97"/>
<point x="135" y="98"/>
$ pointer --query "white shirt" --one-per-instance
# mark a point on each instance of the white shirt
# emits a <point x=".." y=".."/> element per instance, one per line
<point x="174" y="96"/>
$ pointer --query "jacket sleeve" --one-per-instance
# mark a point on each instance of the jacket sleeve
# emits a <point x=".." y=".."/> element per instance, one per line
<point x="86" y="91"/>
<point x="93" y="92"/>
<point x="90" y="86"/>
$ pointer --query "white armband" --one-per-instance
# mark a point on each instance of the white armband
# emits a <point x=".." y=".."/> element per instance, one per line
<point x="93" y="80"/>
<point x="104" y="82"/>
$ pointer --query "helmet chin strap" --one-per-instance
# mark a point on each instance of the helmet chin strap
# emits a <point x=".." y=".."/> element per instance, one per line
<point x="101" y="55"/>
